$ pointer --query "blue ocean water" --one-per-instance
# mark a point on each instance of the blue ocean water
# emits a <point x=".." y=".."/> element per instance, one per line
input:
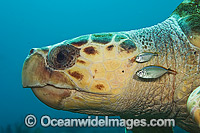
<point x="35" y="23"/>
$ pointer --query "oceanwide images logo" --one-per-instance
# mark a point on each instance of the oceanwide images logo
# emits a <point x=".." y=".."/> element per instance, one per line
<point x="47" y="121"/>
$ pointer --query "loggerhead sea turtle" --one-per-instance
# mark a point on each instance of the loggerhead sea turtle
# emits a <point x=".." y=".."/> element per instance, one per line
<point x="95" y="74"/>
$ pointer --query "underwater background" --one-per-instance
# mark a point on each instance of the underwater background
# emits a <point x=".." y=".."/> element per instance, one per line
<point x="26" y="24"/>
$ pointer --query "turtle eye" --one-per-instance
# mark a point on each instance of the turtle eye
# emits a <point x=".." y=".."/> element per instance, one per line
<point x="62" y="56"/>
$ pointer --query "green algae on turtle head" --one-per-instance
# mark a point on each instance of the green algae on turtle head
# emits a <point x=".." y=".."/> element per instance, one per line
<point x="128" y="46"/>
<point x="102" y="38"/>
<point x="188" y="18"/>
<point x="190" y="24"/>
<point x="120" y="37"/>
<point x="188" y="12"/>
<point x="79" y="41"/>
<point x="185" y="9"/>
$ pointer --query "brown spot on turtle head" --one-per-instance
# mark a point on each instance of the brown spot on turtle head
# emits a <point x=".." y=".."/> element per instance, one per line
<point x="76" y="75"/>
<point x="110" y="47"/>
<point x="132" y="59"/>
<point x="90" y="50"/>
<point x="81" y="61"/>
<point x="78" y="98"/>
<point x="99" y="86"/>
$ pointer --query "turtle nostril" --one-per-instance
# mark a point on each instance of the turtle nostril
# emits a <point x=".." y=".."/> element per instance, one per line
<point x="31" y="51"/>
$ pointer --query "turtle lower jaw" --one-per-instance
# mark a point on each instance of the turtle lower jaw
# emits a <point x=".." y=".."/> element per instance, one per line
<point x="66" y="99"/>
<point x="52" y="96"/>
<point x="58" y="98"/>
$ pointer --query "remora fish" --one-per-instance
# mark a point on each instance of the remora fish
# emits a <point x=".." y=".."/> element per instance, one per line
<point x="153" y="72"/>
<point x="144" y="57"/>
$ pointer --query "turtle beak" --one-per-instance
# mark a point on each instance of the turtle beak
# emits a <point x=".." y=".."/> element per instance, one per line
<point x="34" y="72"/>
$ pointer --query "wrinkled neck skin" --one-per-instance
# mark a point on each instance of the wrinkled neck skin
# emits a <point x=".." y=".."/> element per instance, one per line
<point x="166" y="96"/>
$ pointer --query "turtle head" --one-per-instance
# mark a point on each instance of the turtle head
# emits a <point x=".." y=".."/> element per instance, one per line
<point x="86" y="75"/>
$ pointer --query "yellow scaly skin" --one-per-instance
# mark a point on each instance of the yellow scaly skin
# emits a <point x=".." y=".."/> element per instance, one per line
<point x="101" y="78"/>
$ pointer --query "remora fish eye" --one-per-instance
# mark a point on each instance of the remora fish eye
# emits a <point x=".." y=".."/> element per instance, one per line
<point x="62" y="56"/>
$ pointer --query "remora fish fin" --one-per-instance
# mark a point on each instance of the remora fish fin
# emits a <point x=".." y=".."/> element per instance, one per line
<point x="171" y="71"/>
<point x="156" y="53"/>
